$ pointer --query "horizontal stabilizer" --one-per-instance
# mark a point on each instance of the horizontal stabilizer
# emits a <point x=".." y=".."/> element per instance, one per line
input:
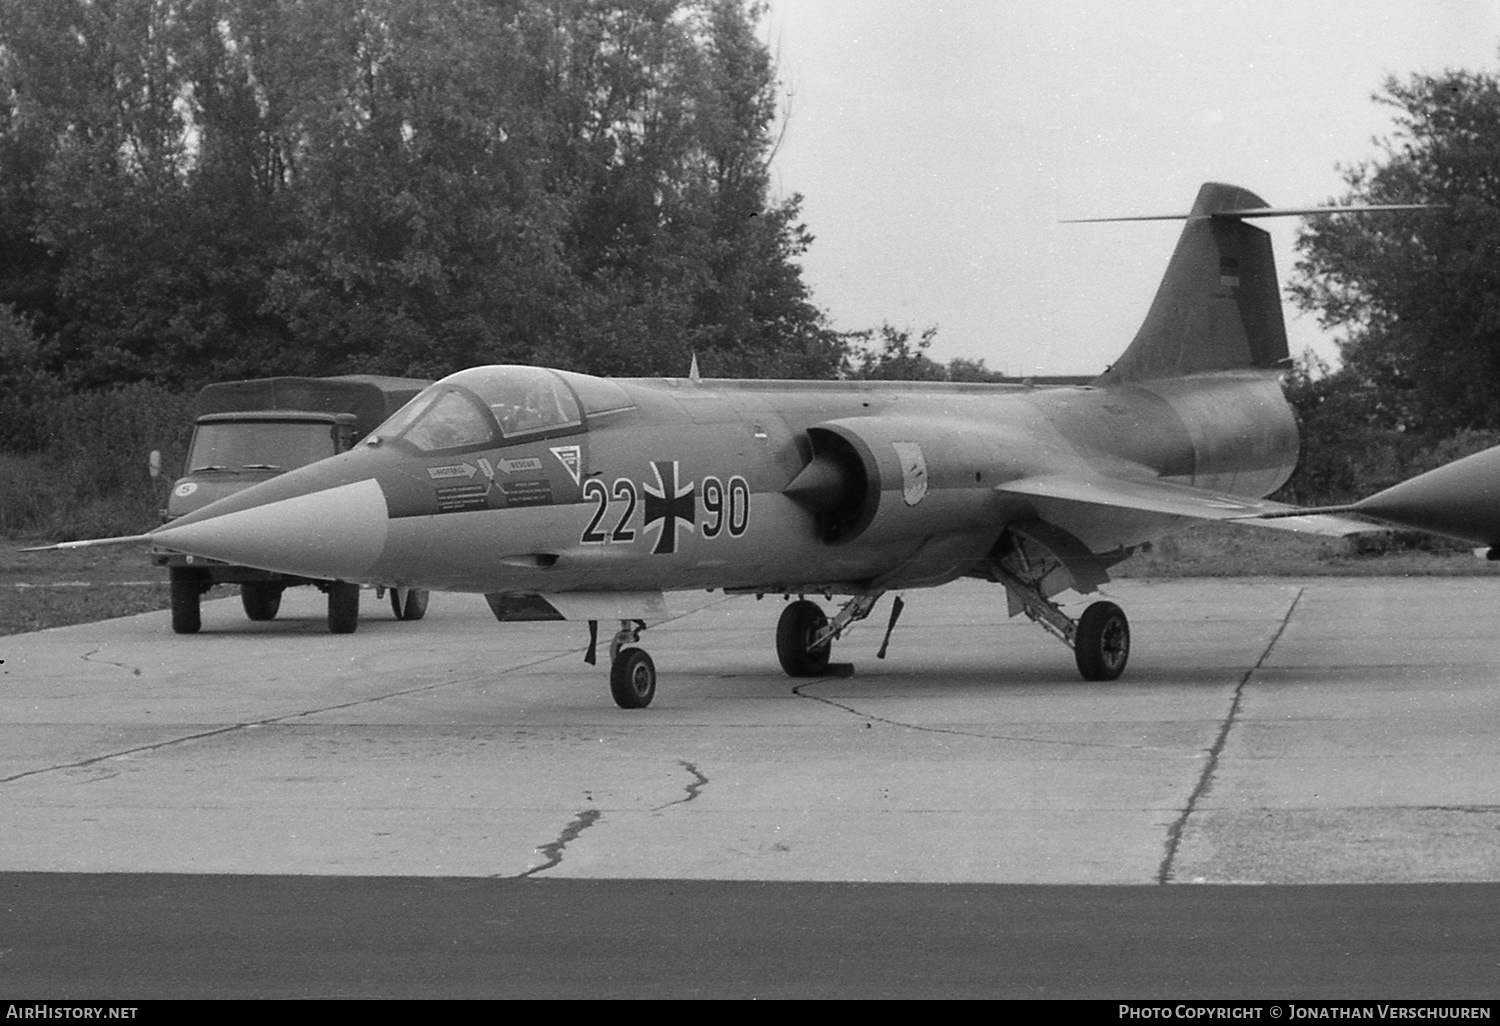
<point x="1157" y="496"/>
<point x="1249" y="212"/>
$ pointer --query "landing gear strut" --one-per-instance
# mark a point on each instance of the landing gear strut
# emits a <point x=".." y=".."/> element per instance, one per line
<point x="1100" y="638"/>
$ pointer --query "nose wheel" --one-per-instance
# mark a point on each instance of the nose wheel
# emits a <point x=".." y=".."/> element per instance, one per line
<point x="632" y="679"/>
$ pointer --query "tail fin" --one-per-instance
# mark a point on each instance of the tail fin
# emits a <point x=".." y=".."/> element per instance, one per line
<point x="1219" y="304"/>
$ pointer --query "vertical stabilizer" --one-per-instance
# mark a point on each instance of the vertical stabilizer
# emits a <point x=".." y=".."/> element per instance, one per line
<point x="1219" y="305"/>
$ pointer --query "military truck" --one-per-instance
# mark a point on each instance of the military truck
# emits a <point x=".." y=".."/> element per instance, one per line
<point x="246" y="432"/>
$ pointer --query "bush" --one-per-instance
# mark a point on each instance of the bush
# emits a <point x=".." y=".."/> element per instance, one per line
<point x="90" y="478"/>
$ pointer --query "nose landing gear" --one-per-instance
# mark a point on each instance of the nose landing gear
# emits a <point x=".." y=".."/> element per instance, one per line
<point x="632" y="673"/>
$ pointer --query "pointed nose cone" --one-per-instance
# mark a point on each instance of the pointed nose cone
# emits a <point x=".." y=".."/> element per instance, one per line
<point x="336" y="532"/>
<point x="1461" y="500"/>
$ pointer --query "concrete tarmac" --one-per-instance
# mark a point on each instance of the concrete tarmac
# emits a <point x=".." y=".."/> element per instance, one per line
<point x="1318" y="731"/>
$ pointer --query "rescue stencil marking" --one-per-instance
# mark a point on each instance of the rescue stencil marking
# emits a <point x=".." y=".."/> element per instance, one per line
<point x="526" y="463"/>
<point x="462" y="498"/>
<point x="527" y="493"/>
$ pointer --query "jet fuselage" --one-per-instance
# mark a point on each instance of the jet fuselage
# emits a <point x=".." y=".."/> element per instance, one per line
<point x="665" y="484"/>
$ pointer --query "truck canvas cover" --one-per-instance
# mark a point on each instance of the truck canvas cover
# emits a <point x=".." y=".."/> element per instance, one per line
<point x="370" y="397"/>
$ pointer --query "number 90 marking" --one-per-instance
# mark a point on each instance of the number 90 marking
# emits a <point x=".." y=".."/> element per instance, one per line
<point x="726" y="508"/>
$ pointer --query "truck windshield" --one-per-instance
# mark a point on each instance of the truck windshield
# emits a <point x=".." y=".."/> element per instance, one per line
<point x="235" y="445"/>
<point x="482" y="406"/>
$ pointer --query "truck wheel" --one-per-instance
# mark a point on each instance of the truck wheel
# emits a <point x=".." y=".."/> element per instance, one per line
<point x="343" y="607"/>
<point x="187" y="586"/>
<point x="409" y="603"/>
<point x="261" y="600"/>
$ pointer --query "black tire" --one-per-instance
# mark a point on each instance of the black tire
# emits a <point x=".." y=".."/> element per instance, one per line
<point x="261" y="599"/>
<point x="1102" y="644"/>
<point x="409" y="603"/>
<point x="187" y="588"/>
<point x="632" y="679"/>
<point x="343" y="607"/>
<point x="799" y="624"/>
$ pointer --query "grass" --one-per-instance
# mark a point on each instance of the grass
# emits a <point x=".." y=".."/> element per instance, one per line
<point x="41" y="589"/>
<point x="54" y="589"/>
<point x="1224" y="550"/>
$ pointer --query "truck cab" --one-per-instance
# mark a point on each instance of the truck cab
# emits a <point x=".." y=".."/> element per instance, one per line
<point x="246" y="432"/>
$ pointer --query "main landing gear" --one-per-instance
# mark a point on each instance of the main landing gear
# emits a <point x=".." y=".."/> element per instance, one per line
<point x="1100" y="638"/>
<point x="805" y="637"/>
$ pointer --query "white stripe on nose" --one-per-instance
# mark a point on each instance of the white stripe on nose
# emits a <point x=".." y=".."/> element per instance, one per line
<point x="336" y="533"/>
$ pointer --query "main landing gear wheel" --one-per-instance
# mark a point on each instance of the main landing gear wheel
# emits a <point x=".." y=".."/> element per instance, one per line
<point x="409" y="603"/>
<point x="632" y="679"/>
<point x="261" y="600"/>
<point x="1102" y="644"/>
<point x="187" y="587"/>
<point x="343" y="607"/>
<point x="799" y="624"/>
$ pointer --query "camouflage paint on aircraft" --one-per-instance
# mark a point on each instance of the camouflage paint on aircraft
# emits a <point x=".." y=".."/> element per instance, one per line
<point x="597" y="495"/>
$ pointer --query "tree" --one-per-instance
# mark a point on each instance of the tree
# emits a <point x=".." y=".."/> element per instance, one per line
<point x="201" y="189"/>
<point x="1418" y="295"/>
<point x="890" y="354"/>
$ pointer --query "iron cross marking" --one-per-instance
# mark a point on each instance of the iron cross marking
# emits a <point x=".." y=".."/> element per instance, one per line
<point x="669" y="502"/>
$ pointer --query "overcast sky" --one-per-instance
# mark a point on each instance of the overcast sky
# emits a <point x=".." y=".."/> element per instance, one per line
<point x="937" y="143"/>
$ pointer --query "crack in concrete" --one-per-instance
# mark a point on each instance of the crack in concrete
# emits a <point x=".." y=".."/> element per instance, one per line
<point x="268" y="722"/>
<point x="553" y="851"/>
<point x="966" y="733"/>
<point x="1206" y="777"/>
<point x="288" y="717"/>
<point x="88" y="657"/>
<point x="1473" y="809"/>
<point x="121" y="754"/>
<point x="694" y="789"/>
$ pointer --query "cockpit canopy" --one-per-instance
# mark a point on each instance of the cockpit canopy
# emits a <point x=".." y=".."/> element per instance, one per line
<point x="492" y="406"/>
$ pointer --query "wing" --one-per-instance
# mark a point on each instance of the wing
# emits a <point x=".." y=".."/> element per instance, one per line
<point x="1152" y="495"/>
